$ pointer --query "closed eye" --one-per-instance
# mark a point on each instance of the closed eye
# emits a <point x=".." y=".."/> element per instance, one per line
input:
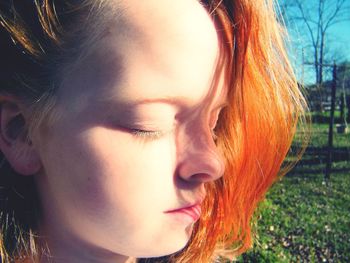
<point x="146" y="134"/>
<point x="214" y="135"/>
<point x="214" y="121"/>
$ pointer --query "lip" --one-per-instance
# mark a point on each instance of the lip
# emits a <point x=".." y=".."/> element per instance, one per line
<point x="192" y="212"/>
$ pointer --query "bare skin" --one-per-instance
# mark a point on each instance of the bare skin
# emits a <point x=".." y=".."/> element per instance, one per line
<point x="133" y="140"/>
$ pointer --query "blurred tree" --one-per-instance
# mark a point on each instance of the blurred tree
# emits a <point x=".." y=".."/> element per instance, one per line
<point x="344" y="82"/>
<point x="315" y="18"/>
<point x="343" y="74"/>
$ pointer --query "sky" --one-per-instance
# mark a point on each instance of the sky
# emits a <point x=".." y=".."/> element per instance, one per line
<point x="341" y="35"/>
<point x="338" y="41"/>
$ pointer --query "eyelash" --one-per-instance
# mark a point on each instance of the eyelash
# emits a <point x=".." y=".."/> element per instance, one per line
<point x="145" y="134"/>
<point x="214" y="131"/>
<point x="154" y="135"/>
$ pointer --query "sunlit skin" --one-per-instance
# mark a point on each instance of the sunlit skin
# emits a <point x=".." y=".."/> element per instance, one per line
<point x="133" y="137"/>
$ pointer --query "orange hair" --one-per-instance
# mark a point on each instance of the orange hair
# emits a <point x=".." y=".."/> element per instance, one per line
<point x="255" y="131"/>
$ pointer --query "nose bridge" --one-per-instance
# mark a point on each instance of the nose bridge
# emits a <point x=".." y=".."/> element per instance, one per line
<point x="199" y="158"/>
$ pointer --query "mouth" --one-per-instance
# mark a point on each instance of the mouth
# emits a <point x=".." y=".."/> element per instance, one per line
<point x="191" y="213"/>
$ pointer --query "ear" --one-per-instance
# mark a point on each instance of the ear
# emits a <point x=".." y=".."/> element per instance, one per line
<point x="14" y="142"/>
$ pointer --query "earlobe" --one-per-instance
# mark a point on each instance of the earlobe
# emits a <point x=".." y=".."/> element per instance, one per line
<point x="14" y="142"/>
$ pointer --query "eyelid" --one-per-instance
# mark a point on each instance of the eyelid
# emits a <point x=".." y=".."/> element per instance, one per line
<point x="215" y="115"/>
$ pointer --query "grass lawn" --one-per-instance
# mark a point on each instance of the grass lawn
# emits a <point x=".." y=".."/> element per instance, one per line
<point x="303" y="219"/>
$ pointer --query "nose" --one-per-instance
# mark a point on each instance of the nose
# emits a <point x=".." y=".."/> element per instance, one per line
<point x="199" y="160"/>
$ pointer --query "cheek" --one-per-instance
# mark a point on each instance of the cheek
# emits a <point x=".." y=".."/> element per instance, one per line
<point x="129" y="172"/>
<point x="102" y="171"/>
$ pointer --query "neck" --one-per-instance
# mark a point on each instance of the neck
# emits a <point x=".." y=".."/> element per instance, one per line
<point x="62" y="247"/>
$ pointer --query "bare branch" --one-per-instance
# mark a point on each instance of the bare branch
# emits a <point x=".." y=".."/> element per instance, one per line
<point x="306" y="21"/>
<point x="339" y="5"/>
<point x="316" y="21"/>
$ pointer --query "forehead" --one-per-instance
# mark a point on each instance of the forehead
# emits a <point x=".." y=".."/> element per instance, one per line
<point x="153" y="49"/>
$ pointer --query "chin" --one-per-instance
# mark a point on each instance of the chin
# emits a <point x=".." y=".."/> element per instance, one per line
<point x="169" y="245"/>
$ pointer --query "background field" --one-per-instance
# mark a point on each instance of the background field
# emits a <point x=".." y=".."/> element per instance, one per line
<point x="303" y="219"/>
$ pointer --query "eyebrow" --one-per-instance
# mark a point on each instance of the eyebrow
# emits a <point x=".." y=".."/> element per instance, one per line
<point x="169" y="100"/>
<point x="176" y="101"/>
<point x="181" y="102"/>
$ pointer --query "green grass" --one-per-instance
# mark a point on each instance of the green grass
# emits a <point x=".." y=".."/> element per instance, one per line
<point x="319" y="136"/>
<point x="325" y="116"/>
<point x="303" y="219"/>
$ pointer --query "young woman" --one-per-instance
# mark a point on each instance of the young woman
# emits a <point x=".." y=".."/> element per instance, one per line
<point x="139" y="129"/>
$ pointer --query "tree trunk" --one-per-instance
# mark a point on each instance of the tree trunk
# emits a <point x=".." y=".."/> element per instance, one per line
<point x="327" y="175"/>
<point x="320" y="69"/>
<point x="342" y="108"/>
<point x="348" y="105"/>
<point x="316" y="64"/>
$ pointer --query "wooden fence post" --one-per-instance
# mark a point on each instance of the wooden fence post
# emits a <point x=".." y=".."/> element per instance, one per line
<point x="327" y="175"/>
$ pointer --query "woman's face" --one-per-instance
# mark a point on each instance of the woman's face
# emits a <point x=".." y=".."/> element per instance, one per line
<point x="125" y="162"/>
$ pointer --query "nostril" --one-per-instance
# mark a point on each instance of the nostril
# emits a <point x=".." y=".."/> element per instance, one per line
<point x="201" y="177"/>
<point x="198" y="157"/>
<point x="201" y="167"/>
